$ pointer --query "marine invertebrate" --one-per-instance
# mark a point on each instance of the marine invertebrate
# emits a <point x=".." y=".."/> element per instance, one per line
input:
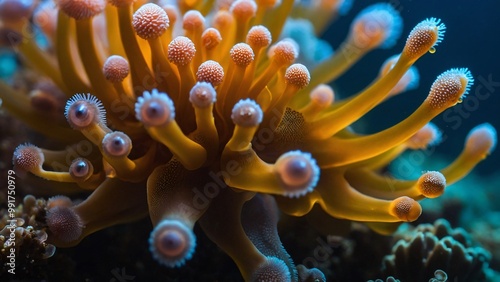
<point x="419" y="255"/>
<point x="439" y="276"/>
<point x="184" y="133"/>
<point x="486" y="232"/>
<point x="24" y="230"/>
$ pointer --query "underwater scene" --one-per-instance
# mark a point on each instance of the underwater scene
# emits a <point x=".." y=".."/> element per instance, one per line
<point x="249" y="140"/>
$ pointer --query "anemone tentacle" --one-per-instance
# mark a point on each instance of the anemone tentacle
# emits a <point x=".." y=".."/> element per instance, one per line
<point x="202" y="113"/>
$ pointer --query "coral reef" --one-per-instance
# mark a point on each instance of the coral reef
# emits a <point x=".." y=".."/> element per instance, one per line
<point x="439" y="276"/>
<point x="197" y="114"/>
<point x="486" y="231"/>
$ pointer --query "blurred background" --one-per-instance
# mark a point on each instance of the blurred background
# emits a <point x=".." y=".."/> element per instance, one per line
<point x="472" y="40"/>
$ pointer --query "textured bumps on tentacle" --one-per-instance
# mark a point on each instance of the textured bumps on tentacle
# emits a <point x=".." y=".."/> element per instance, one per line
<point x="242" y="54"/>
<point x="450" y="88"/>
<point x="154" y="108"/>
<point x="272" y="270"/>
<point x="432" y="184"/>
<point x="84" y="110"/>
<point x="82" y="9"/>
<point x="424" y="37"/>
<point x="59" y="200"/>
<point x="16" y="9"/>
<point x="64" y="223"/>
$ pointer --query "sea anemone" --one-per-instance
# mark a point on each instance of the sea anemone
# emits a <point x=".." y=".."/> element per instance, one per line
<point x="196" y="112"/>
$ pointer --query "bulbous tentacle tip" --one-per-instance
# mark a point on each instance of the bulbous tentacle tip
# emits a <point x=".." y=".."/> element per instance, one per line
<point x="13" y="10"/>
<point x="47" y="99"/>
<point x="431" y="184"/>
<point x="243" y="9"/>
<point x="64" y="223"/>
<point x="10" y="38"/>
<point x="450" y="88"/>
<point x="247" y="113"/>
<point x="150" y="21"/>
<point x="82" y="111"/>
<point x="81" y="169"/>
<point x="154" y="108"/>
<point x="272" y="270"/>
<point x="405" y="209"/>
<point x="172" y="243"/>
<point x="27" y="157"/>
<point x="81" y="10"/>
<point x="267" y="3"/>
<point x="298" y="173"/>
<point x="202" y="95"/>
<point x="59" y="201"/>
<point x="242" y="54"/>
<point x="50" y="250"/>
<point x="439" y="276"/>
<point x="259" y="37"/>
<point x="193" y="20"/>
<point x="481" y="140"/>
<point x="116" y="144"/>
<point x="121" y="3"/>
<point x="284" y="52"/>
<point x="409" y="81"/>
<point x="297" y="75"/>
<point x="377" y="25"/>
<point x="424" y="37"/>
<point x="429" y="135"/>
<point x="211" y="37"/>
<point x="323" y="95"/>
